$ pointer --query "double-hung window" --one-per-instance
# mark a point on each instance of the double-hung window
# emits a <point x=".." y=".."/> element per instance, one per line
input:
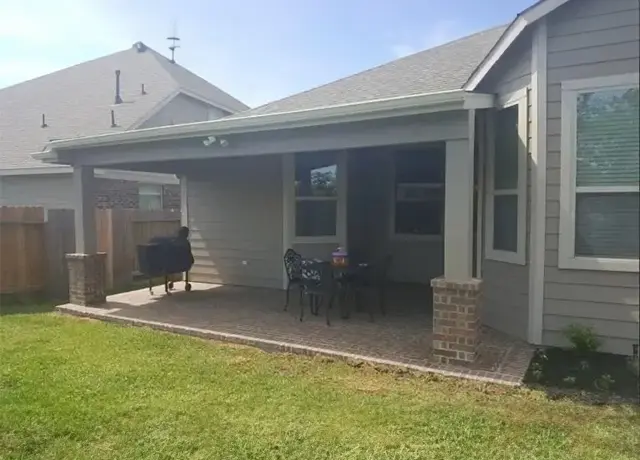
<point x="599" y="197"/>
<point x="419" y="193"/>
<point x="506" y="203"/>
<point x="316" y="195"/>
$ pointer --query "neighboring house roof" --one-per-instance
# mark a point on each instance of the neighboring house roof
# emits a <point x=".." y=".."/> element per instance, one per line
<point x="443" y="68"/>
<point x="77" y="101"/>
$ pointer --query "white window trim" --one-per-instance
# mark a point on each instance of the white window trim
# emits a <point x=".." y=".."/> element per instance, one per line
<point x="340" y="198"/>
<point x="518" y="257"/>
<point x="566" y="244"/>
<point x="392" y="215"/>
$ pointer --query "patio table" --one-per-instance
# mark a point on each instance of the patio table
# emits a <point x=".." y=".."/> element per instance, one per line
<point x="345" y="277"/>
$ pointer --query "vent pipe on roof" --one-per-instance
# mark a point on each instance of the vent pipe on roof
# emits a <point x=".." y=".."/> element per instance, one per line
<point x="118" y="98"/>
<point x="113" y="119"/>
<point x="44" y="122"/>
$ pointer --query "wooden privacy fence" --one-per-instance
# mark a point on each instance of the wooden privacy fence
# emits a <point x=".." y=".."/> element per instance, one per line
<point x="32" y="248"/>
<point x="22" y="250"/>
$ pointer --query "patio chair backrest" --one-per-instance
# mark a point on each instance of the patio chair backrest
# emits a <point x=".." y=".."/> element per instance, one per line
<point x="293" y="264"/>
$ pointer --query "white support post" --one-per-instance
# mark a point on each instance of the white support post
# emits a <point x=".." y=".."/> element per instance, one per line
<point x="84" y="206"/>
<point x="458" y="214"/>
<point x="184" y="201"/>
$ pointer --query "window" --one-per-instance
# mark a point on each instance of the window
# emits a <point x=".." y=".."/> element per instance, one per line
<point x="316" y="193"/>
<point x="506" y="181"/>
<point x="149" y="197"/>
<point x="600" y="174"/>
<point x="419" y="192"/>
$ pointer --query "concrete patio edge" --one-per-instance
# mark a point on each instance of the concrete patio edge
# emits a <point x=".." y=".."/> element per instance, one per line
<point x="277" y="346"/>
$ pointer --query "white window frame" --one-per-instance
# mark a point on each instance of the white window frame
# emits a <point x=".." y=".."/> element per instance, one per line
<point x="161" y="194"/>
<point x="520" y="99"/>
<point x="568" y="169"/>
<point x="340" y="198"/>
<point x="394" y="199"/>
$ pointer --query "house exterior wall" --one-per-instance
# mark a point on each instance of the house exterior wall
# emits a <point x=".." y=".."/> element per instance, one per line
<point x="55" y="191"/>
<point x="183" y="109"/>
<point x="506" y="285"/>
<point x="235" y="216"/>
<point x="586" y="39"/>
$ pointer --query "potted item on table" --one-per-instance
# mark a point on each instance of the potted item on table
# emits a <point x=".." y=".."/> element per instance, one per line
<point x="339" y="257"/>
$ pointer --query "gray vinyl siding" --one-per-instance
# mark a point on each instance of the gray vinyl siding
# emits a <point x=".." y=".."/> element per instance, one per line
<point x="586" y="39"/>
<point x="50" y="191"/>
<point x="235" y="217"/>
<point x="506" y="285"/>
<point x="183" y="109"/>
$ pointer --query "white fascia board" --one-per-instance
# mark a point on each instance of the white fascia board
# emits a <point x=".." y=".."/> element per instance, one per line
<point x="133" y="176"/>
<point x="414" y="104"/>
<point x="137" y="176"/>
<point x="36" y="171"/>
<point x="527" y="17"/>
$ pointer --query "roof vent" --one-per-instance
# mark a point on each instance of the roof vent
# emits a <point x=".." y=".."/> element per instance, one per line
<point x="118" y="99"/>
<point x="140" y="47"/>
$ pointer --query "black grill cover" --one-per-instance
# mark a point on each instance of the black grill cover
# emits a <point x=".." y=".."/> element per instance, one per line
<point x="165" y="256"/>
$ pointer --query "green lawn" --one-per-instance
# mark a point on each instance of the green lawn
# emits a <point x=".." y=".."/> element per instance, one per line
<point x="77" y="389"/>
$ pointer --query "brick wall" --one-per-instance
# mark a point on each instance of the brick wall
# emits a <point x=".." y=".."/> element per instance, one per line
<point x="112" y="193"/>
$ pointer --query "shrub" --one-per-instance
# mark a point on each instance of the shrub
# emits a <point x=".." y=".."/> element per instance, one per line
<point x="582" y="338"/>
<point x="604" y="382"/>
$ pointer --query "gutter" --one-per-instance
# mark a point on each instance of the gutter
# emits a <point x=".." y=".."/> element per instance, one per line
<point x="414" y="104"/>
<point x="113" y="174"/>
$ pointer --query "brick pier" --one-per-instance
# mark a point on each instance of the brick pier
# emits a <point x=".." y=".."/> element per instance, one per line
<point x="456" y="320"/>
<point x="87" y="278"/>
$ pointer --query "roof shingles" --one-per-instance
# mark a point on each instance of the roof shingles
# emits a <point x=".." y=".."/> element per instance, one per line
<point x="77" y="101"/>
<point x="443" y="68"/>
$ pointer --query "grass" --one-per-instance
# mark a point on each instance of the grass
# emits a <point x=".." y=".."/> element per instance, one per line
<point x="79" y="389"/>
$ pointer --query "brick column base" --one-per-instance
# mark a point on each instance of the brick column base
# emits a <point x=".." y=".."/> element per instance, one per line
<point x="456" y="320"/>
<point x="87" y="278"/>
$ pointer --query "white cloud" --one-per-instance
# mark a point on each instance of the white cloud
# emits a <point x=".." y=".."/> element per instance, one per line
<point x="441" y="32"/>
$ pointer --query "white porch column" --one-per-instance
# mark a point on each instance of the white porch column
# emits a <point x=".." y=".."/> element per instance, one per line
<point x="87" y="267"/>
<point x="458" y="211"/>
<point x="457" y="296"/>
<point x="84" y="206"/>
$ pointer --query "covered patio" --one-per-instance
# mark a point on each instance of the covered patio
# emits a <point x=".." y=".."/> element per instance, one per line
<point x="255" y="316"/>
<point x="395" y="177"/>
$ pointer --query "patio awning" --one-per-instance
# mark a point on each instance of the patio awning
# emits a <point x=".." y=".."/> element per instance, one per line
<point x="377" y="109"/>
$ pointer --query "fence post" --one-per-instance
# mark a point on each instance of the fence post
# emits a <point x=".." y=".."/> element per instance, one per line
<point x="59" y="241"/>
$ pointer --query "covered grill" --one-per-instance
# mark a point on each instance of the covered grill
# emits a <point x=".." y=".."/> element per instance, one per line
<point x="164" y="256"/>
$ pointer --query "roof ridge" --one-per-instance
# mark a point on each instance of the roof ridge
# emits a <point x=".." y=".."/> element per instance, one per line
<point x="165" y="61"/>
<point x="381" y="65"/>
<point x="65" y="69"/>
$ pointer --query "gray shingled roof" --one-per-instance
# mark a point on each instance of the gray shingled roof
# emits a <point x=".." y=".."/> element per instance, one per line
<point x="77" y="101"/>
<point x="443" y="68"/>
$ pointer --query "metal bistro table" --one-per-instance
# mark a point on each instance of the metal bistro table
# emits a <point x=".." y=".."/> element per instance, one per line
<point x="346" y="279"/>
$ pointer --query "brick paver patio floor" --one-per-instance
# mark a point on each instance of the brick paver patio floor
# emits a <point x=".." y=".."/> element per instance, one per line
<point x="401" y="337"/>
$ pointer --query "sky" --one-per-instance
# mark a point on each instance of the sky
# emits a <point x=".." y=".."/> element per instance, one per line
<point x="256" y="50"/>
